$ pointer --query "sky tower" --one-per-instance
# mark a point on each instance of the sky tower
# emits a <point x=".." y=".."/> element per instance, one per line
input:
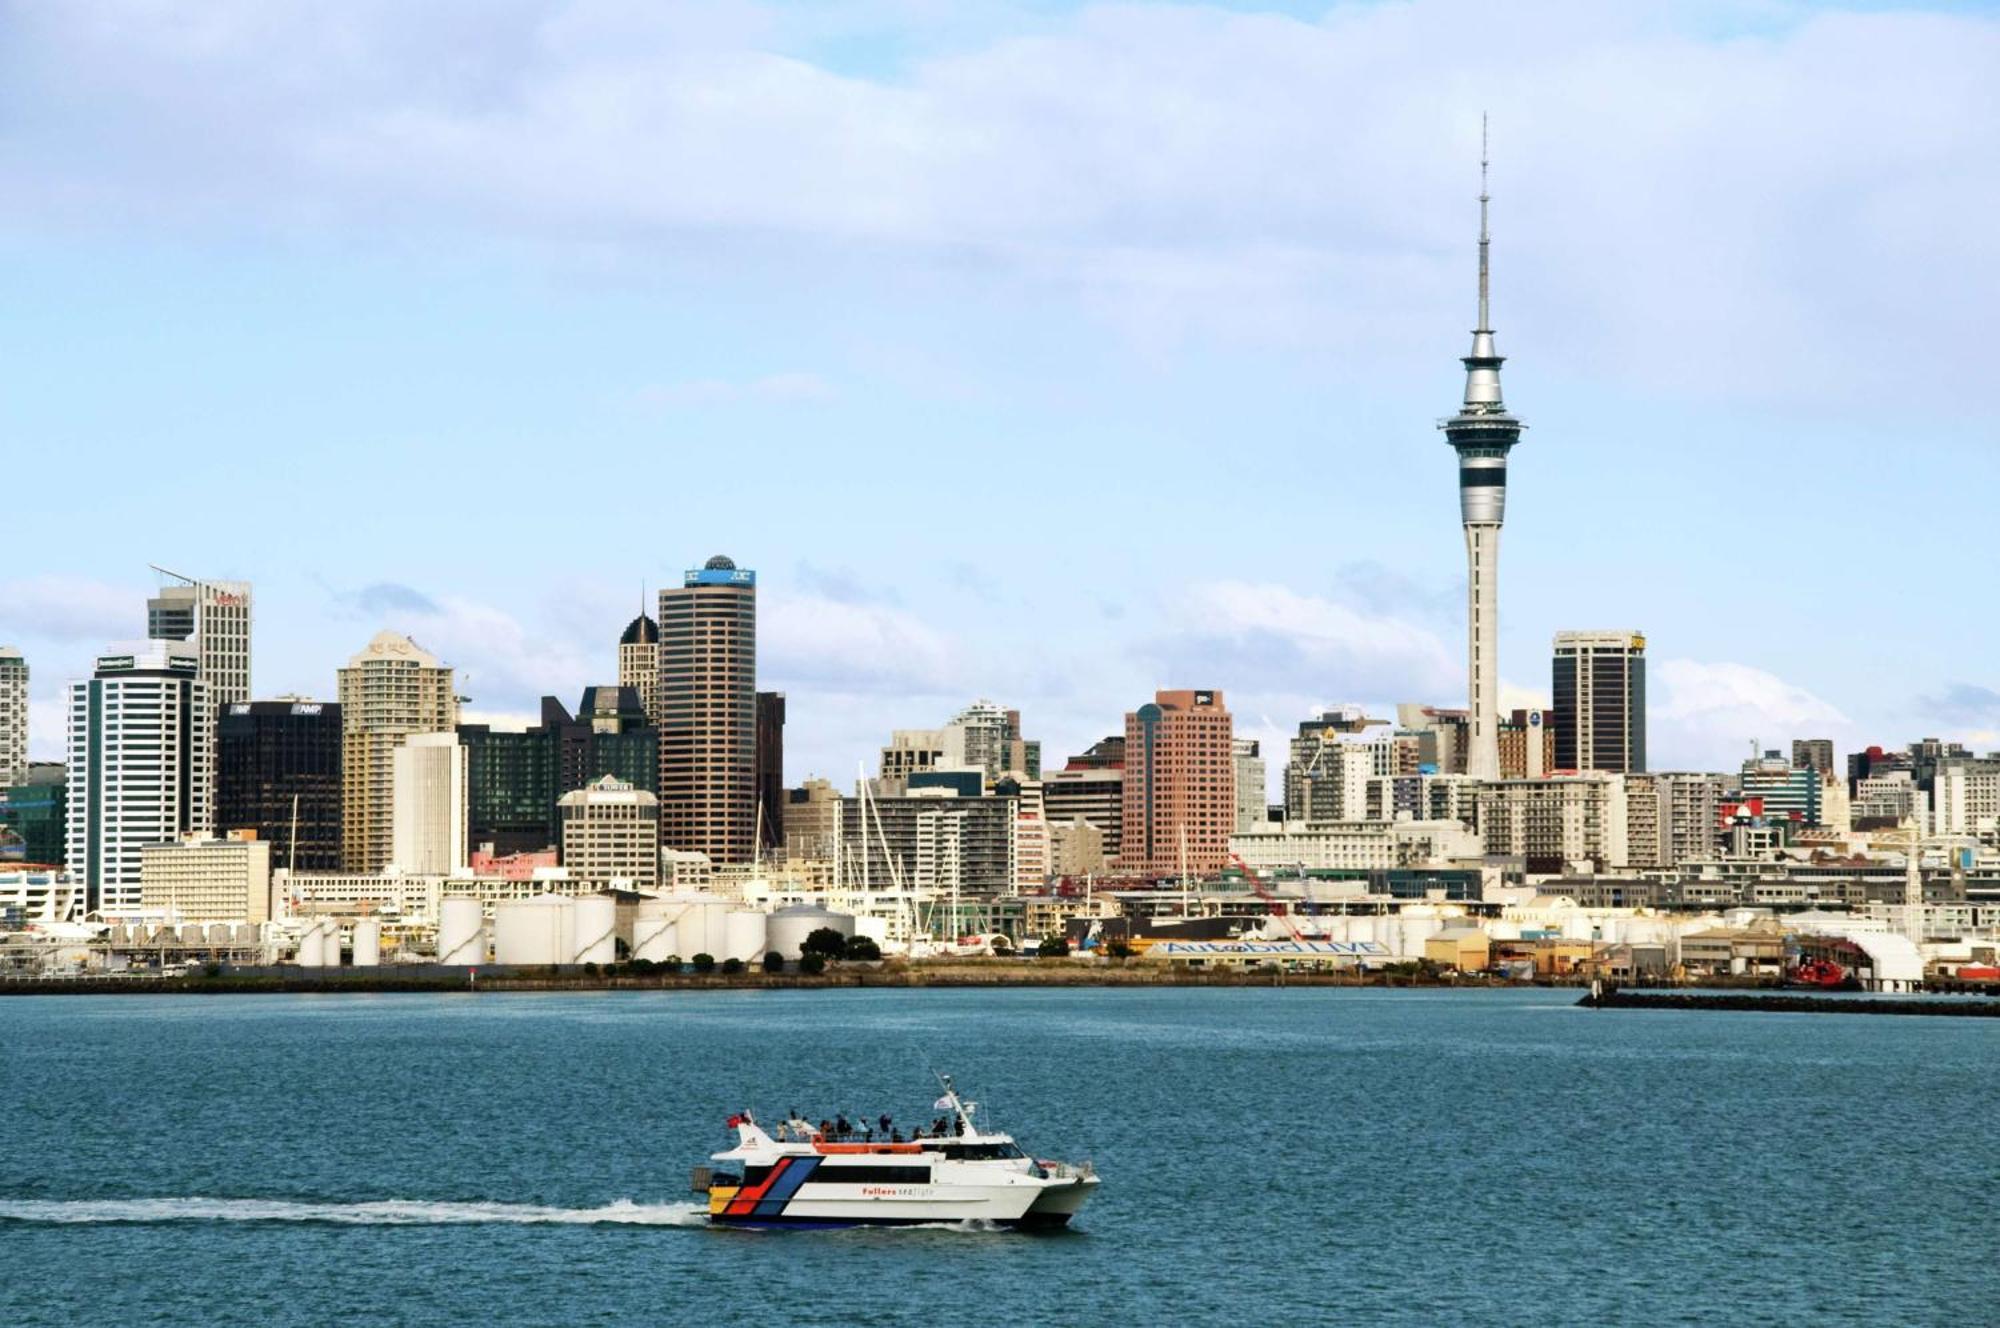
<point x="1482" y="433"/>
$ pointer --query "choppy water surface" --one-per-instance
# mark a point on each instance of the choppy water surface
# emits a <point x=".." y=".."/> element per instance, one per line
<point x="1301" y="1156"/>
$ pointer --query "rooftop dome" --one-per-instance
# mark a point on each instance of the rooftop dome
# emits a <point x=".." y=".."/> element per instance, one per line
<point x="640" y="631"/>
<point x="719" y="563"/>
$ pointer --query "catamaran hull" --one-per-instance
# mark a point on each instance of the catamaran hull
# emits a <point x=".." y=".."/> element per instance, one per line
<point x="1019" y="1204"/>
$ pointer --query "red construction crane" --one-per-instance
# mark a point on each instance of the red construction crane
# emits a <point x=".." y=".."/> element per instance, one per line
<point x="1278" y="908"/>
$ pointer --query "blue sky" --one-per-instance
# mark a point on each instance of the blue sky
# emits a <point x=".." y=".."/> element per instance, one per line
<point x="1049" y="353"/>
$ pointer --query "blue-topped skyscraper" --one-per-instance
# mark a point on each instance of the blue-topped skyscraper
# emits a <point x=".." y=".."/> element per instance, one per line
<point x="708" y="713"/>
<point x="1482" y="432"/>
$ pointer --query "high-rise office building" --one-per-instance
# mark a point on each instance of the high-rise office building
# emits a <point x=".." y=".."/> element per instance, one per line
<point x="278" y="774"/>
<point x="215" y="617"/>
<point x="140" y="734"/>
<point x="428" y="820"/>
<point x="611" y="834"/>
<point x="1482" y="433"/>
<point x="639" y="663"/>
<point x="1094" y="794"/>
<point x="392" y="689"/>
<point x="517" y="777"/>
<point x="812" y="821"/>
<point x="1252" y="809"/>
<point x="1180" y="785"/>
<point x="13" y="716"/>
<point x="771" y="770"/>
<point x="1527" y="745"/>
<point x="1813" y="754"/>
<point x="1600" y="701"/>
<point x="708" y="713"/>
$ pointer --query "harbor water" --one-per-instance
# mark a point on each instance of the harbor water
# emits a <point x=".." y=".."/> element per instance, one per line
<point x="1302" y="1155"/>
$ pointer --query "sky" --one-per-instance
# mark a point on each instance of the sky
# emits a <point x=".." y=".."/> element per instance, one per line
<point x="1042" y="352"/>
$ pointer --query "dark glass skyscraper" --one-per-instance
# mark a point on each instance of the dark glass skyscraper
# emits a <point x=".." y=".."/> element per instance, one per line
<point x="267" y="754"/>
<point x="514" y="779"/>
<point x="1600" y="701"/>
<point x="771" y="769"/>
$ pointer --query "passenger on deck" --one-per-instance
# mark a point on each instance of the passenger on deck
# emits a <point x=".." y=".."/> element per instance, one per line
<point x="841" y="1129"/>
<point x="825" y="1128"/>
<point x="896" y="1137"/>
<point x="884" y="1122"/>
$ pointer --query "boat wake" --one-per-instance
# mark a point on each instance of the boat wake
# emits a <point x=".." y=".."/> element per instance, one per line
<point x="384" y="1213"/>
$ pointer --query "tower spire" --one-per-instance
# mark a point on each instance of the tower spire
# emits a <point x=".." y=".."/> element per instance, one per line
<point x="1485" y="239"/>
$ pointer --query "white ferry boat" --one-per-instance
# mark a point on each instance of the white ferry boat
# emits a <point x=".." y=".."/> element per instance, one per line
<point x="823" y="1176"/>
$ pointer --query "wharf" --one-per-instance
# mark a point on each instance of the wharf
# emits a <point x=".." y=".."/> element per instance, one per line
<point x="1792" y="1003"/>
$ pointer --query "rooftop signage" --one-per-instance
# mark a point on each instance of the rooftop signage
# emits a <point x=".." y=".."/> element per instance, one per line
<point x="1202" y="949"/>
<point x="719" y="576"/>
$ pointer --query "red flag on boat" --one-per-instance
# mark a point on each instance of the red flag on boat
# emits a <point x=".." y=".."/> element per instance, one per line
<point x="735" y="1121"/>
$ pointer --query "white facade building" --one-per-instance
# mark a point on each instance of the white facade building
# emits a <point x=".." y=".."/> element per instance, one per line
<point x="13" y="717"/>
<point x="141" y="734"/>
<point x="213" y="616"/>
<point x="431" y="810"/>
<point x="197" y="879"/>
<point x="1568" y="823"/>
<point x="1354" y="845"/>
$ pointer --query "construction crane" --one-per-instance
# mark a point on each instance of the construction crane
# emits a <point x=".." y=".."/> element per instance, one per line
<point x="1277" y="905"/>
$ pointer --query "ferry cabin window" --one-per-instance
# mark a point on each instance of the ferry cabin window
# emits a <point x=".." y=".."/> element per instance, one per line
<point x="980" y="1152"/>
<point x="837" y="1174"/>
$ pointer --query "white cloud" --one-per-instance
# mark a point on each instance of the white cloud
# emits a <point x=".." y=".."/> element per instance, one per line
<point x="1705" y="716"/>
<point x="1672" y="205"/>
<point x="69" y="609"/>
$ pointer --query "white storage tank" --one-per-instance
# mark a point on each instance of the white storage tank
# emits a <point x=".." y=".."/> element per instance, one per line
<point x="596" y="930"/>
<point x="701" y="924"/>
<point x="367" y="942"/>
<point x="539" y="930"/>
<point x="788" y="927"/>
<point x="654" y="935"/>
<point x="743" y="935"/>
<point x="312" y="947"/>
<point x="218" y="933"/>
<point x="244" y="933"/>
<point x="461" y="932"/>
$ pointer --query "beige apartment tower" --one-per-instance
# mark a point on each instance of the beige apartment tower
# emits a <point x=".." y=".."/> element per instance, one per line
<point x="388" y="692"/>
<point x="708" y="713"/>
<point x="13" y="717"/>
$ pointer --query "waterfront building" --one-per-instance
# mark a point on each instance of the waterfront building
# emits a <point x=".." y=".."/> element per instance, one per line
<point x="1353" y="845"/>
<point x="708" y="713"/>
<point x="1252" y="807"/>
<point x="1600" y="701"/>
<point x="429" y="815"/>
<point x="611" y="834"/>
<point x="932" y="838"/>
<point x="1645" y="821"/>
<point x="1565" y="823"/>
<point x="639" y="663"/>
<point x="1032" y="851"/>
<point x="140" y="765"/>
<point x="1422" y="797"/>
<point x="811" y="821"/>
<point x="1813" y="753"/>
<point x="29" y="895"/>
<point x="1180" y="785"/>
<point x="201" y="879"/>
<point x="770" y="771"/>
<point x="278" y="774"/>
<point x="34" y="818"/>
<point x="13" y="717"/>
<point x="393" y="688"/>
<point x="1483" y="432"/>
<point x="1091" y="793"/>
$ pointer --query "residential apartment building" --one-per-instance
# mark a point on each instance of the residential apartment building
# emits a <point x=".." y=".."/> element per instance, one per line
<point x="390" y="690"/>
<point x="1566" y="823"/>
<point x="13" y="717"/>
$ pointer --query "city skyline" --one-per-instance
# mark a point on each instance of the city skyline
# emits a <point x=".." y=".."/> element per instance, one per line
<point x="1719" y="392"/>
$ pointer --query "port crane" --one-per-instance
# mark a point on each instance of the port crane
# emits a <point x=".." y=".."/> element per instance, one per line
<point x="1277" y="905"/>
